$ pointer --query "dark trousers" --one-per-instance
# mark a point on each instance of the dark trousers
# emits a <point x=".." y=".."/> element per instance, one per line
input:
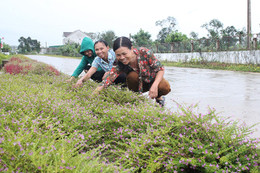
<point x="132" y="81"/>
<point x="97" y="76"/>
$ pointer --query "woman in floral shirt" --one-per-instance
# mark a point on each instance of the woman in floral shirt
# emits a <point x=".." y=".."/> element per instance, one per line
<point x="144" y="71"/>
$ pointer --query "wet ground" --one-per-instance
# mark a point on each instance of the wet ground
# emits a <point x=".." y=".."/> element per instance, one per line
<point x="231" y="94"/>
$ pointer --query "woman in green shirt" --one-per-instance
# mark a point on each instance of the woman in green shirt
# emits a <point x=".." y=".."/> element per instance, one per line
<point x="88" y="52"/>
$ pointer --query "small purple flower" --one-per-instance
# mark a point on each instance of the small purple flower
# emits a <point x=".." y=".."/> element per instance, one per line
<point x="81" y="136"/>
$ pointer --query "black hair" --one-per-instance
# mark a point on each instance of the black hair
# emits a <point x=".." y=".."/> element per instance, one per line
<point x="101" y="41"/>
<point x="122" y="42"/>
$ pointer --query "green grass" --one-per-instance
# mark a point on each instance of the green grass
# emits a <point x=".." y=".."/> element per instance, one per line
<point x="61" y="56"/>
<point x="215" y="66"/>
<point x="48" y="126"/>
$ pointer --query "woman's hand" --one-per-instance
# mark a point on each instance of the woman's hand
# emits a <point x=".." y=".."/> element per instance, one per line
<point x="70" y="79"/>
<point x="97" y="91"/>
<point x="153" y="92"/>
<point x="86" y="77"/>
<point x="79" y="83"/>
<point x="104" y="76"/>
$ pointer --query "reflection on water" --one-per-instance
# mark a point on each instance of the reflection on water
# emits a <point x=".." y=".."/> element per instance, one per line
<point x="234" y="94"/>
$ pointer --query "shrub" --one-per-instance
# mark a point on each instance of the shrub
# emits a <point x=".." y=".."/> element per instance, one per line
<point x="2" y="57"/>
<point x="24" y="65"/>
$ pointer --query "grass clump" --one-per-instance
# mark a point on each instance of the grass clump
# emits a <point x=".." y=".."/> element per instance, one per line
<point x="47" y="126"/>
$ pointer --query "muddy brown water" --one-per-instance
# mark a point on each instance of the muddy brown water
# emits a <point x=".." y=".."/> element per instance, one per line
<point x="231" y="94"/>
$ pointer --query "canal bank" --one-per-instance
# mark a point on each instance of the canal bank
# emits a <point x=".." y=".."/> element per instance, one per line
<point x="231" y="94"/>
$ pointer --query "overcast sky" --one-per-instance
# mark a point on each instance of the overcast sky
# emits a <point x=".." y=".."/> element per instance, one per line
<point x="46" y="20"/>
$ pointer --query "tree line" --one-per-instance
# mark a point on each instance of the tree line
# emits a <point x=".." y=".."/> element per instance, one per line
<point x="168" y="39"/>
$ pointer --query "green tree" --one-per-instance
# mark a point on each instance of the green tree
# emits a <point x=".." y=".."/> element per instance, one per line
<point x="194" y="35"/>
<point x="70" y="49"/>
<point x="195" y="41"/>
<point x="175" y="36"/>
<point x="22" y="46"/>
<point x="109" y="37"/>
<point x="242" y="37"/>
<point x="167" y="25"/>
<point x="214" y="27"/>
<point x="179" y="42"/>
<point x="230" y="31"/>
<point x="35" y="45"/>
<point x="6" y="48"/>
<point x="229" y="37"/>
<point x="142" y="38"/>
<point x="28" y="45"/>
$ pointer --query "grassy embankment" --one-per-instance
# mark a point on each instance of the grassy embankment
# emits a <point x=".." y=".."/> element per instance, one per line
<point x="215" y="66"/>
<point x="47" y="126"/>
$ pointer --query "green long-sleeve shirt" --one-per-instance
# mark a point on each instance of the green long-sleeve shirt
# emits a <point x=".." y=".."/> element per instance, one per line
<point x="87" y="44"/>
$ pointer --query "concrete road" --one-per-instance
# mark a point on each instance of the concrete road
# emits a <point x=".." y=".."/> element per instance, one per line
<point x="231" y="94"/>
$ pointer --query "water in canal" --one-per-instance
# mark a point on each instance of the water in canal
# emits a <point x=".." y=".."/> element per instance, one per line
<point x="231" y="94"/>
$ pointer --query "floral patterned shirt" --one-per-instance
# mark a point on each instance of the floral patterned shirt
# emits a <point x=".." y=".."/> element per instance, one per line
<point x="148" y="66"/>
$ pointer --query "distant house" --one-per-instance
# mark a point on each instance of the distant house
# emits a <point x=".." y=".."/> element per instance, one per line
<point x="73" y="37"/>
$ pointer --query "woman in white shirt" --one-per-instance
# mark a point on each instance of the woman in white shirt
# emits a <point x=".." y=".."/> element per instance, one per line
<point x="105" y="59"/>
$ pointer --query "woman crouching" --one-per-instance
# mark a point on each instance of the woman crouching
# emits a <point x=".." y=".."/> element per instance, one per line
<point x="144" y="72"/>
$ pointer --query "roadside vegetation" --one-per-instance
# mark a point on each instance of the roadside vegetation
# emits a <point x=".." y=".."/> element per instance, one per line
<point x="19" y="64"/>
<point x="48" y="126"/>
<point x="3" y="57"/>
<point x="215" y="65"/>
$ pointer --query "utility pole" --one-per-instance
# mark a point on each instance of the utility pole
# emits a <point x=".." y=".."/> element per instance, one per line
<point x="248" y="24"/>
